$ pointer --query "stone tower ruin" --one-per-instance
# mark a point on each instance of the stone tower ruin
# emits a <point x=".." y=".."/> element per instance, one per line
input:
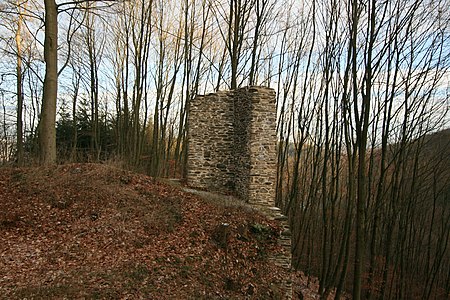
<point x="232" y="149"/>
<point x="232" y="144"/>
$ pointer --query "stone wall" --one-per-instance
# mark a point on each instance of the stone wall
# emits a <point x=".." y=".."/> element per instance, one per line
<point x="262" y="141"/>
<point x="232" y="149"/>
<point x="241" y="150"/>
<point x="210" y="163"/>
<point x="232" y="143"/>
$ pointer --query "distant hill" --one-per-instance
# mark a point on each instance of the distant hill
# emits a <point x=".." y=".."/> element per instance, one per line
<point x="438" y="143"/>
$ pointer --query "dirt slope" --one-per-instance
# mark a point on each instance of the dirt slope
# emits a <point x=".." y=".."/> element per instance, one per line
<point x="93" y="231"/>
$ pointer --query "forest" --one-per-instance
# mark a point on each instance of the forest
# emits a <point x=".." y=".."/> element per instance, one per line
<point x="363" y="94"/>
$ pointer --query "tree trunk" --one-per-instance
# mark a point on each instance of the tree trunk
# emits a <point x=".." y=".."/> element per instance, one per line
<point x="47" y="130"/>
<point x="19" y="128"/>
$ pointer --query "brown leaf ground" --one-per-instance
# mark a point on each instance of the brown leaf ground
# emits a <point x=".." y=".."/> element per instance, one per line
<point x="91" y="231"/>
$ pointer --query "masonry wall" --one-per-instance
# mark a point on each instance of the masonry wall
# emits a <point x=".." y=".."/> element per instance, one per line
<point x="262" y="141"/>
<point x="210" y="162"/>
<point x="232" y="149"/>
<point x="232" y="143"/>
<point x="241" y="150"/>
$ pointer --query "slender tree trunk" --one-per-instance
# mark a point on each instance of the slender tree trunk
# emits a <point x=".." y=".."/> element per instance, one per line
<point x="93" y="71"/>
<point x="233" y="37"/>
<point x="19" y="128"/>
<point x="76" y="84"/>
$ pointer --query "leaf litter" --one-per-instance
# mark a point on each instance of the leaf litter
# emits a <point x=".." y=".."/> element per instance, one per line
<point x="94" y="231"/>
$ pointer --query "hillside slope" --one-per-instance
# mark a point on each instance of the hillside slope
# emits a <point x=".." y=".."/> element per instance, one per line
<point x="93" y="231"/>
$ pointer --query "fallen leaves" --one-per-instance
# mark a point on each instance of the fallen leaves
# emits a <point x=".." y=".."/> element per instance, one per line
<point x="90" y="230"/>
